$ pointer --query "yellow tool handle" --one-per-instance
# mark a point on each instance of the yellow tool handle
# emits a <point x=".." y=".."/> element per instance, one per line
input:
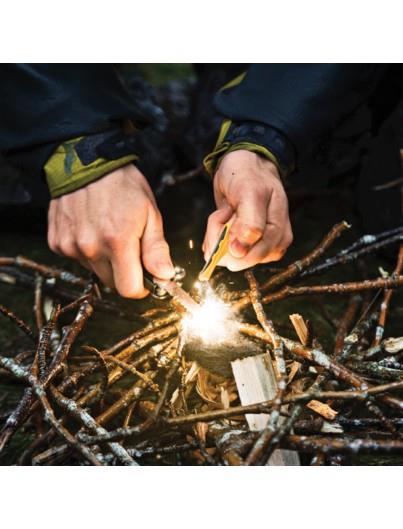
<point x="219" y="251"/>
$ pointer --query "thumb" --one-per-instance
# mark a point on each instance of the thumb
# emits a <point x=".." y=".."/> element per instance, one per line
<point x="155" y="249"/>
<point x="249" y="223"/>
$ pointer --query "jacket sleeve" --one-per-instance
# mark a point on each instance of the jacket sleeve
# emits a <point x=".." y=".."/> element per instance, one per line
<point x="287" y="111"/>
<point x="71" y="123"/>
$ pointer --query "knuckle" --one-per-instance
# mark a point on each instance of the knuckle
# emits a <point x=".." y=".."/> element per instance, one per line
<point x="250" y="232"/>
<point x="279" y="253"/>
<point x="155" y="245"/>
<point x="112" y="239"/>
<point x="52" y="243"/>
<point x="88" y="247"/>
<point x="212" y="219"/>
<point x="288" y="237"/>
<point x="68" y="248"/>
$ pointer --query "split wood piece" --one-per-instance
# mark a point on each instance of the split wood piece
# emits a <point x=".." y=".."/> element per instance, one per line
<point x="302" y="330"/>
<point x="256" y="382"/>
<point x="303" y="334"/>
<point x="322" y="409"/>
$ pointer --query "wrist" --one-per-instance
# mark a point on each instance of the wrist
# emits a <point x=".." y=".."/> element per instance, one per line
<point x="254" y="137"/>
<point x="242" y="159"/>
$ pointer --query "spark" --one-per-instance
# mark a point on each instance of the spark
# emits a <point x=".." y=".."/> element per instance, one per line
<point x="212" y="322"/>
<point x="191" y="244"/>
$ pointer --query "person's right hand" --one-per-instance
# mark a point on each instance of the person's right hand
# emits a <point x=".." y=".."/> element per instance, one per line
<point x="112" y="226"/>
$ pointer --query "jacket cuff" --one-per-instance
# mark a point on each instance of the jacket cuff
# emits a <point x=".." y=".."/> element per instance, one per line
<point x="79" y="161"/>
<point x="255" y="137"/>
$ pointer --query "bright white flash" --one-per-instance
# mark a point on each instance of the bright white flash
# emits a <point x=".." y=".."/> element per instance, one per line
<point x="213" y="321"/>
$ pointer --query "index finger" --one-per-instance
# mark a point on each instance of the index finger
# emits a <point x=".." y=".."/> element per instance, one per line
<point x="128" y="271"/>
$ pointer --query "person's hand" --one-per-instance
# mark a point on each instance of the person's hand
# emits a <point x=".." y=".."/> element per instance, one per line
<point x="248" y="190"/>
<point x="111" y="226"/>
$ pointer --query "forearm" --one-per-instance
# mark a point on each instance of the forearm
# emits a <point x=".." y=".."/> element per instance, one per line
<point x="69" y="123"/>
<point x="290" y="110"/>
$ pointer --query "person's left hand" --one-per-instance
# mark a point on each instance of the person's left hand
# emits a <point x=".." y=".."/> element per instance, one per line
<point x="248" y="190"/>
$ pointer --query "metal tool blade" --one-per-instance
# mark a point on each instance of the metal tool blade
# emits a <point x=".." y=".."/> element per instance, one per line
<point x="177" y="292"/>
<point x="219" y="251"/>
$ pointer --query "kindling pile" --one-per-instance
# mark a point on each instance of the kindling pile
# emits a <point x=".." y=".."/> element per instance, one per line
<point x="146" y="400"/>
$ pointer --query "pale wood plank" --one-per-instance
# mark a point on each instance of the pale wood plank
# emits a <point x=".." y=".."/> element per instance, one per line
<point x="256" y="382"/>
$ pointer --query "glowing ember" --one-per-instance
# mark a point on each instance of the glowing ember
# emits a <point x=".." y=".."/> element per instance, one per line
<point x="212" y="322"/>
<point x="191" y="244"/>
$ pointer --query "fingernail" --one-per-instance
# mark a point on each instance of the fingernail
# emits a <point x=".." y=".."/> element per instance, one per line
<point x="237" y="249"/>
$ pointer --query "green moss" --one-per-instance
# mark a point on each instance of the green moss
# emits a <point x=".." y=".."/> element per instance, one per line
<point x="160" y="73"/>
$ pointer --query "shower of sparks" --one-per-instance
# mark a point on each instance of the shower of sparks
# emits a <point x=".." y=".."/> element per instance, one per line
<point x="213" y="321"/>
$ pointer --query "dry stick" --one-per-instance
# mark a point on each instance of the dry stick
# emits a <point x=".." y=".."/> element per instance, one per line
<point x="151" y="327"/>
<point x="62" y="431"/>
<point x="133" y="371"/>
<point x="352" y="340"/>
<point x="39" y="391"/>
<point x="134" y="393"/>
<point x="44" y="341"/>
<point x="375" y="370"/>
<point x="386" y="301"/>
<point x="38" y="302"/>
<point x="156" y="335"/>
<point x="160" y="336"/>
<point x="305" y="335"/>
<point x="26" y="405"/>
<point x="131" y="395"/>
<point x="129" y="415"/>
<point x="20" y="413"/>
<point x="332" y="445"/>
<point x="336" y="288"/>
<point x="171" y="373"/>
<point x="345" y="256"/>
<point x="83" y="314"/>
<point x="18" y="321"/>
<point x="154" y="331"/>
<point x="75" y="304"/>
<point x="300" y="328"/>
<point x="365" y="422"/>
<point x="370" y="239"/>
<point x="16" y="276"/>
<point x="346" y="323"/>
<point x="152" y="419"/>
<point x="114" y="376"/>
<point x="296" y="268"/>
<point x="44" y="270"/>
<point x="169" y="449"/>
<point x="261" y="407"/>
<point x="71" y="407"/>
<point x="318" y="357"/>
<point x="259" y="449"/>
